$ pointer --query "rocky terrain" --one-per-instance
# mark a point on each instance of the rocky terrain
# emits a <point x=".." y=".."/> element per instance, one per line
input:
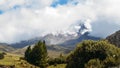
<point x="114" y="38"/>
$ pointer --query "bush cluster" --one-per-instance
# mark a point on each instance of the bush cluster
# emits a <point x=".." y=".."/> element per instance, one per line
<point x="59" y="60"/>
<point x="2" y="55"/>
<point x="92" y="54"/>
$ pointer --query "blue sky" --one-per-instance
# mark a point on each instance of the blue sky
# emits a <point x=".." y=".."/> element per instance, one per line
<point x="54" y="4"/>
<point x="1" y="12"/>
<point x="59" y="2"/>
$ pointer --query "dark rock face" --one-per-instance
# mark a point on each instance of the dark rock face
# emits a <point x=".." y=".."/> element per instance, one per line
<point x="114" y="38"/>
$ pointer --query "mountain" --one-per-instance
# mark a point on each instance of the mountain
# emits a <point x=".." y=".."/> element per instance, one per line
<point x="53" y="50"/>
<point x="6" y="48"/>
<point x="114" y="38"/>
<point x="50" y="39"/>
<point x="73" y="42"/>
<point x="76" y="33"/>
<point x="24" y="43"/>
<point x="56" y="49"/>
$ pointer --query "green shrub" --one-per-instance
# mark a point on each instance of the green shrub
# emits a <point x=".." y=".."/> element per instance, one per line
<point x="94" y="63"/>
<point x="87" y="50"/>
<point x="59" y="60"/>
<point x="111" y="62"/>
<point x="2" y="55"/>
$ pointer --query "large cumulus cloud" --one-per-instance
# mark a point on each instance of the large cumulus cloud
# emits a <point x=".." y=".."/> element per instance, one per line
<point x="24" y="19"/>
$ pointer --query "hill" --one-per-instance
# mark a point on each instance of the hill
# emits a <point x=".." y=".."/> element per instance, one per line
<point x="72" y="43"/>
<point x="53" y="50"/>
<point x="14" y="60"/>
<point x="6" y="48"/>
<point x="114" y="38"/>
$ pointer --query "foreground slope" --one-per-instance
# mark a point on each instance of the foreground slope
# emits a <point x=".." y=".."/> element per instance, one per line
<point x="14" y="60"/>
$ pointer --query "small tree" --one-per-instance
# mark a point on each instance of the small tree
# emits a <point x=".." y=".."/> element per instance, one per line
<point x="1" y="55"/>
<point x="38" y="54"/>
<point x="27" y="53"/>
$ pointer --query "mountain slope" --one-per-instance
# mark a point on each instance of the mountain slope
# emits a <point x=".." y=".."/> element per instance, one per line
<point x="114" y="38"/>
<point x="6" y="48"/>
<point x="53" y="50"/>
<point x="50" y="39"/>
<point x="60" y="39"/>
<point x="24" y="43"/>
<point x="73" y="42"/>
<point x="77" y="33"/>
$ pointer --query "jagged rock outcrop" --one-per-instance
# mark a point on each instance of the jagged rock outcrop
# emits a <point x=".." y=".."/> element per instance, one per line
<point x="114" y="38"/>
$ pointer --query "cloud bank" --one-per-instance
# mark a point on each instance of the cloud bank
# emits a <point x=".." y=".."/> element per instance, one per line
<point x="25" y="19"/>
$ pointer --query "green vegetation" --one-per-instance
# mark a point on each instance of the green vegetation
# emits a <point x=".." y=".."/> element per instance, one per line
<point x="94" y="53"/>
<point x="19" y="62"/>
<point x="93" y="63"/>
<point x="58" y="66"/>
<point x="15" y="60"/>
<point x="37" y="55"/>
<point x="88" y="54"/>
<point x="54" y="61"/>
<point x="27" y="54"/>
<point x="2" y="55"/>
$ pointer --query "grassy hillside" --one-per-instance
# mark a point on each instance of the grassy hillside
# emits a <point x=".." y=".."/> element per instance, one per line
<point x="52" y="52"/>
<point x="12" y="59"/>
<point x="6" y="48"/>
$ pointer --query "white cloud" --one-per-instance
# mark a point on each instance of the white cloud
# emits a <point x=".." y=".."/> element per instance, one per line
<point x="36" y="17"/>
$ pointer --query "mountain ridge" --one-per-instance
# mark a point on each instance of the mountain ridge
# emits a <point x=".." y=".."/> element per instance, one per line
<point x="58" y="38"/>
<point x="114" y="38"/>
